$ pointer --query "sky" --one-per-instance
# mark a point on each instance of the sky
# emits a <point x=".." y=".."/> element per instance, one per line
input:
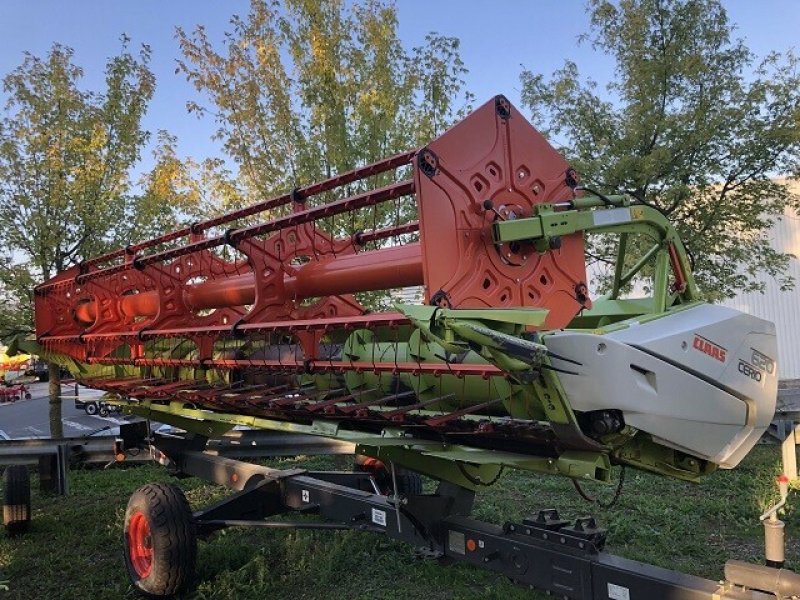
<point x="497" y="40"/>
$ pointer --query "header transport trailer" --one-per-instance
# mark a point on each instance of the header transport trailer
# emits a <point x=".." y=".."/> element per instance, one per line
<point x="267" y="317"/>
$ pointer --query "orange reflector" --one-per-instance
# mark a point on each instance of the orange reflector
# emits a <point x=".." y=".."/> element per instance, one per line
<point x="471" y="545"/>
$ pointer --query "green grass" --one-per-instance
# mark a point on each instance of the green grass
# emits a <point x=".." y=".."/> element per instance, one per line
<point x="74" y="549"/>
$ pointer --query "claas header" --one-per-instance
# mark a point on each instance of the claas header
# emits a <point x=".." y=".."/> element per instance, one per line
<point x="258" y="317"/>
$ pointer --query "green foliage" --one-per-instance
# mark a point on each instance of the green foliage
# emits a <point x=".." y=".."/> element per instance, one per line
<point x="170" y="194"/>
<point x="302" y="89"/>
<point x="66" y="156"/>
<point x="16" y="298"/>
<point x="691" y="124"/>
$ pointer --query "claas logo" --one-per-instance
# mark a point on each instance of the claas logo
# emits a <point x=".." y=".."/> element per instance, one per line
<point x="708" y="347"/>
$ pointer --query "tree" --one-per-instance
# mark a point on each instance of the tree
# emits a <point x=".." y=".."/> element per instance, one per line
<point x="691" y="124"/>
<point x="303" y="89"/>
<point x="65" y="161"/>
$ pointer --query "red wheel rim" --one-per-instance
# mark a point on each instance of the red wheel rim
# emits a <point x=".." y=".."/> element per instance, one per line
<point x="140" y="545"/>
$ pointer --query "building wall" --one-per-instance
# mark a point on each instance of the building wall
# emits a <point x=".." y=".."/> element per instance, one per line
<point x="782" y="308"/>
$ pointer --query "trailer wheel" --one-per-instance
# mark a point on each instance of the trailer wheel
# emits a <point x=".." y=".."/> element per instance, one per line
<point x="160" y="540"/>
<point x="409" y="483"/>
<point x="16" y="499"/>
<point x="90" y="408"/>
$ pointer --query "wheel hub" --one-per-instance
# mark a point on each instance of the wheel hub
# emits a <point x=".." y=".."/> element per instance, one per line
<point x="140" y="545"/>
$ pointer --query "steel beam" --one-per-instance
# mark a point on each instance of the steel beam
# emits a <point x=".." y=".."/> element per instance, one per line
<point x="236" y="444"/>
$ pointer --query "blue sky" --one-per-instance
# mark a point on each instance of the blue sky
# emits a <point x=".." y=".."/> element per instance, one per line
<point x="496" y="39"/>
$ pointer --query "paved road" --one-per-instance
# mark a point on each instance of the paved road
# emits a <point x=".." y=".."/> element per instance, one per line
<point x="30" y="418"/>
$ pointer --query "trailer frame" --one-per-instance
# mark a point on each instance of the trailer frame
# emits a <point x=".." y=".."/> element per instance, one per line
<point x="565" y="558"/>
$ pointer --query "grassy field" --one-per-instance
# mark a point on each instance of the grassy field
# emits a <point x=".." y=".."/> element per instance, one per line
<point x="73" y="550"/>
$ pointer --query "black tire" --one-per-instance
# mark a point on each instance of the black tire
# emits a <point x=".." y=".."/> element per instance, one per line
<point x="16" y="499"/>
<point x="409" y="483"/>
<point x="90" y="408"/>
<point x="160" y="541"/>
<point x="103" y="410"/>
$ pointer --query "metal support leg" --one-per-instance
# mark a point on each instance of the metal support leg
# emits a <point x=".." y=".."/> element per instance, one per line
<point x="789" y="452"/>
<point x="796" y="437"/>
<point x="53" y="469"/>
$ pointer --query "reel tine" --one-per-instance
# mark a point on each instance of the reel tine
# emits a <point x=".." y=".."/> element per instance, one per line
<point x="379" y="402"/>
<point x="446" y="418"/>
<point x="401" y="412"/>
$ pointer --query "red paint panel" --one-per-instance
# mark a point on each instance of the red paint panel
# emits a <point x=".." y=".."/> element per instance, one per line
<point x="187" y="290"/>
<point x="496" y="155"/>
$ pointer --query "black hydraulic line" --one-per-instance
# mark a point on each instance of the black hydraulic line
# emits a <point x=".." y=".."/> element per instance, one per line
<point x="595" y="499"/>
<point x="477" y="480"/>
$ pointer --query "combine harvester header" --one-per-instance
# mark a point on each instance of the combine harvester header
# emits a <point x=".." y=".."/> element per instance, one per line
<point x="252" y="318"/>
<point x="265" y="317"/>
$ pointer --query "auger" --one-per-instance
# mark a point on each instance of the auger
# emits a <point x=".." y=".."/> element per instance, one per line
<point x="275" y="316"/>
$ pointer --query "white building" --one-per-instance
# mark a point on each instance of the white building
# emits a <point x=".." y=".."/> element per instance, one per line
<point x="782" y="308"/>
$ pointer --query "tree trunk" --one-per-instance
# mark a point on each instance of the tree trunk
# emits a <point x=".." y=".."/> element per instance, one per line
<point x="56" y="427"/>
